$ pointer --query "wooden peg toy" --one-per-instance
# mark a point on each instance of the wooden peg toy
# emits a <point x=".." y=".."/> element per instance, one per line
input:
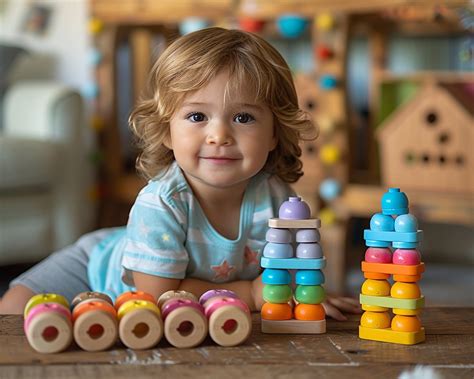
<point x="230" y="323"/>
<point x="393" y="227"/>
<point x="185" y="324"/>
<point x="278" y="315"/>
<point x="140" y="323"/>
<point x="95" y="324"/>
<point x="48" y="325"/>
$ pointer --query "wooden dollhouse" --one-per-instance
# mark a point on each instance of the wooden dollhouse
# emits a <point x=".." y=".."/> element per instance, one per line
<point x="427" y="144"/>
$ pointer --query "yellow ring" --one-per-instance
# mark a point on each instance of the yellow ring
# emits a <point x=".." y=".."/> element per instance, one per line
<point x="44" y="298"/>
<point x="132" y="305"/>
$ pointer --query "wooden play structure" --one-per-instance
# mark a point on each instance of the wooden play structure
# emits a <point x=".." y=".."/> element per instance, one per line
<point x="426" y="144"/>
<point x="335" y="191"/>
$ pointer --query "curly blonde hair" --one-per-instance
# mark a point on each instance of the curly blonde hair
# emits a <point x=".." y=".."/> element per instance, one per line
<point x="189" y="63"/>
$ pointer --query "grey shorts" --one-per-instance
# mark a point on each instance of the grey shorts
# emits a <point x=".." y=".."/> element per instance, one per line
<point x="65" y="271"/>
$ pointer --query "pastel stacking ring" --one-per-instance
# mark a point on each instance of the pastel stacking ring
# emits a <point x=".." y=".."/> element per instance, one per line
<point x="133" y="295"/>
<point x="230" y="322"/>
<point x="48" y="327"/>
<point x="140" y="324"/>
<point x="44" y="298"/>
<point x="212" y="293"/>
<point x="278" y="250"/>
<point x="175" y="295"/>
<point x="278" y="235"/>
<point x="90" y="295"/>
<point x="185" y="325"/>
<point x="211" y="307"/>
<point x="95" y="325"/>
<point x="173" y="304"/>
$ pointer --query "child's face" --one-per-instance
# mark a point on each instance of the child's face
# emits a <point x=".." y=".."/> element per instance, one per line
<point x="221" y="142"/>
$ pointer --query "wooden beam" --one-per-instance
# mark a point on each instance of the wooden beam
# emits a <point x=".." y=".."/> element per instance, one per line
<point x="159" y="11"/>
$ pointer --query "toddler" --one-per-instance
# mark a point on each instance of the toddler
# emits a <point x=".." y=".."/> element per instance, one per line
<point x="218" y="135"/>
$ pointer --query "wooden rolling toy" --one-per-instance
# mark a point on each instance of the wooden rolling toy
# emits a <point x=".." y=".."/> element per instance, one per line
<point x="140" y="323"/>
<point x="185" y="324"/>
<point x="230" y="323"/>
<point x="278" y="315"/>
<point x="396" y="228"/>
<point x="95" y="321"/>
<point x="48" y="323"/>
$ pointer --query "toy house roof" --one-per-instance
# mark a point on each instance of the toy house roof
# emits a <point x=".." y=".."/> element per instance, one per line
<point x="457" y="96"/>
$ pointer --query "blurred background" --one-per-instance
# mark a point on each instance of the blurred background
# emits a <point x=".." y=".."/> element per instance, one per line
<point x="389" y="82"/>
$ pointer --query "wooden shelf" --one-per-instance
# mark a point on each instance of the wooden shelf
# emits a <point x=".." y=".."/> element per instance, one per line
<point x="452" y="208"/>
<point x="273" y="8"/>
<point x="387" y="76"/>
<point x="145" y="12"/>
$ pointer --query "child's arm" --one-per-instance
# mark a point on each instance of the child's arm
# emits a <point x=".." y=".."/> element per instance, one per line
<point x="243" y="289"/>
<point x="154" y="285"/>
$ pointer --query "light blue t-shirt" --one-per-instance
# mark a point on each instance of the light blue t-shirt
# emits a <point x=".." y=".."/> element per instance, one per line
<point x="168" y="235"/>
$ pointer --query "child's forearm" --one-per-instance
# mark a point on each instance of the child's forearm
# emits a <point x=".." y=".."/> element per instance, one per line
<point x="242" y="288"/>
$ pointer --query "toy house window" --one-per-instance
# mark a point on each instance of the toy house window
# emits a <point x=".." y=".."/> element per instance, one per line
<point x="310" y="105"/>
<point x="443" y="138"/>
<point x="431" y="118"/>
<point x="310" y="148"/>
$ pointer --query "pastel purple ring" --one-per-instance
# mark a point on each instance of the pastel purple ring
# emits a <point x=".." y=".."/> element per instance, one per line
<point x="211" y="293"/>
<point x="173" y="304"/>
<point x="226" y="301"/>
<point x="46" y="307"/>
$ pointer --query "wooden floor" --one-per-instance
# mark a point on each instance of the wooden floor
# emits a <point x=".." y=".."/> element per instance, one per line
<point x="449" y="349"/>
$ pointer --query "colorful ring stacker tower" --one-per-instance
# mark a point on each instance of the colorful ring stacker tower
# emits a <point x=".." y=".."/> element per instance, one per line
<point x="293" y="244"/>
<point x="393" y="228"/>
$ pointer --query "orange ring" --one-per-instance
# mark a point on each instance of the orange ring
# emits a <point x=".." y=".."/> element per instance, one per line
<point x="310" y="312"/>
<point x="133" y="295"/>
<point x="406" y="278"/>
<point x="406" y="323"/>
<point x="376" y="275"/>
<point x="271" y="311"/>
<point x="103" y="306"/>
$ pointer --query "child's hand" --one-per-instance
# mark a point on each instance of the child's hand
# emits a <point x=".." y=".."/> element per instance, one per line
<point x="334" y="305"/>
<point x="257" y="293"/>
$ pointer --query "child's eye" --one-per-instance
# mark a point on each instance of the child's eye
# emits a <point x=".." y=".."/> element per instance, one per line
<point x="196" y="117"/>
<point x="243" y="118"/>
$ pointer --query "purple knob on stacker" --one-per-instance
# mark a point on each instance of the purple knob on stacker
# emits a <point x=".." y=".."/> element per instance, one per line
<point x="294" y="209"/>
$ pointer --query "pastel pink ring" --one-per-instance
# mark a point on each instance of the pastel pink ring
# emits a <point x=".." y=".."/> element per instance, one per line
<point x="173" y="299"/>
<point x="212" y="307"/>
<point x="173" y="304"/>
<point x="46" y="308"/>
<point x="211" y="293"/>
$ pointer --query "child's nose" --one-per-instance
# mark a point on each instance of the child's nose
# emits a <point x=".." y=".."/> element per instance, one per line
<point x="219" y="134"/>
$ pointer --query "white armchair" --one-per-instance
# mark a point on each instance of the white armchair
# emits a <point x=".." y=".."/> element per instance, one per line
<point x="44" y="173"/>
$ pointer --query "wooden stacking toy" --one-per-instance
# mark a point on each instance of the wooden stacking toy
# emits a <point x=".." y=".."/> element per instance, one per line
<point x="95" y="321"/>
<point x="278" y="314"/>
<point x="396" y="228"/>
<point x="48" y="323"/>
<point x="230" y="322"/>
<point x="140" y="323"/>
<point x="184" y="322"/>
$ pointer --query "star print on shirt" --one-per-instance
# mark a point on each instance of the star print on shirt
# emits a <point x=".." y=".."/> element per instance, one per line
<point x="165" y="237"/>
<point x="223" y="270"/>
<point x="143" y="228"/>
<point x="250" y="256"/>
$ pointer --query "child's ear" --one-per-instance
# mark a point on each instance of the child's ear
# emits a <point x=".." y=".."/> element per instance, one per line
<point x="274" y="143"/>
<point x="167" y="142"/>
